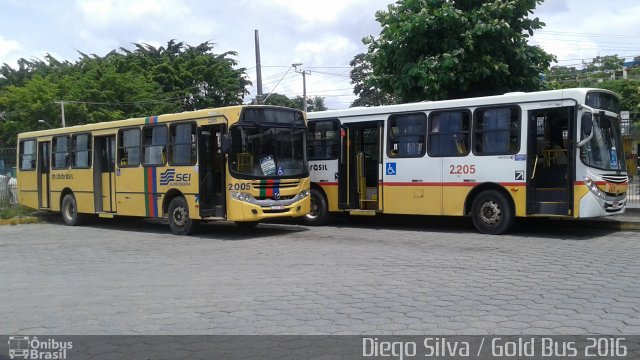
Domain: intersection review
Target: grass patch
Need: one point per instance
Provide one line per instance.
(16, 212)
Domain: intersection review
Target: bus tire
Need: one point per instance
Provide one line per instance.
(491, 213)
(179, 220)
(69, 211)
(319, 212)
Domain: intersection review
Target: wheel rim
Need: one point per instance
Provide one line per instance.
(180, 216)
(69, 210)
(490, 213)
(313, 211)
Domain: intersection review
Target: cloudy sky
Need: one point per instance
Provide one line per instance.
(323, 35)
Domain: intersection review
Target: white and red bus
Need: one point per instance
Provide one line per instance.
(548, 154)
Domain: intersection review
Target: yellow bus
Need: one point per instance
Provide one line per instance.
(239, 163)
(548, 154)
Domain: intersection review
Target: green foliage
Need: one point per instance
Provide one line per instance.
(368, 93)
(315, 103)
(122, 84)
(434, 49)
(14, 212)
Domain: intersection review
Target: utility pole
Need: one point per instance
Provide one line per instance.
(61, 102)
(304, 85)
(304, 90)
(258, 68)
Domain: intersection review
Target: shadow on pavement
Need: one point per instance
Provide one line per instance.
(546, 228)
(216, 230)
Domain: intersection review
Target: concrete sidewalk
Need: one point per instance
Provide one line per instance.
(629, 221)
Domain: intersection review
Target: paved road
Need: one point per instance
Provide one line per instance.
(376, 276)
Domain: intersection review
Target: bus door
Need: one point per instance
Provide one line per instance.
(359, 167)
(44, 160)
(550, 161)
(104, 177)
(212, 171)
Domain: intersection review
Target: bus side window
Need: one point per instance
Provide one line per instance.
(154, 144)
(407, 133)
(129, 147)
(28, 155)
(182, 144)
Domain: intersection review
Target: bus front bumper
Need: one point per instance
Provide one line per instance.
(242, 209)
(594, 206)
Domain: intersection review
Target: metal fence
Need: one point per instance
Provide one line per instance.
(8, 194)
(8, 161)
(8, 191)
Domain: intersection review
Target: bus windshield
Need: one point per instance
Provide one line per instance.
(604, 150)
(266, 151)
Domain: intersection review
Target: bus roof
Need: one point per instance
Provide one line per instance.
(230, 112)
(508, 98)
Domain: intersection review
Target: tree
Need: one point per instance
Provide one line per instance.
(368, 93)
(603, 72)
(279, 100)
(315, 103)
(434, 49)
(122, 84)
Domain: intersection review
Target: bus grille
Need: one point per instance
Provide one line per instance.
(270, 184)
(616, 179)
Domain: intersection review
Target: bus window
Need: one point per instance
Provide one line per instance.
(182, 150)
(324, 143)
(60, 152)
(28, 155)
(496, 131)
(407, 134)
(449, 133)
(81, 151)
(155, 145)
(129, 147)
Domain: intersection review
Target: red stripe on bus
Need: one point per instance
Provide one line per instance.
(447, 183)
(269, 192)
(150, 195)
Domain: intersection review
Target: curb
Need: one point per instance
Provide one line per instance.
(22, 220)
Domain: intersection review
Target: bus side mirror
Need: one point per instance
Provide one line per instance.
(225, 143)
(587, 124)
(587, 128)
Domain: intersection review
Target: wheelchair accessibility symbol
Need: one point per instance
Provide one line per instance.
(391, 168)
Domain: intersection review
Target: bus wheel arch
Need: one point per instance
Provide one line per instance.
(319, 212)
(491, 208)
(172, 193)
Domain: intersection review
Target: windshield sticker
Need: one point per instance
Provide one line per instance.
(613, 157)
(280, 170)
(268, 165)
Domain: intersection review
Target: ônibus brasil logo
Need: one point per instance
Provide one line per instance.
(23, 347)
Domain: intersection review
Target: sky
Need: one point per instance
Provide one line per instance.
(322, 35)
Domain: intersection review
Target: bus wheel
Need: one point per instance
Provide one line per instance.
(179, 220)
(69, 211)
(491, 213)
(319, 213)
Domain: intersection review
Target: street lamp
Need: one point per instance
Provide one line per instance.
(46, 123)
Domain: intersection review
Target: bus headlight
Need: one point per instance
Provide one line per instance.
(595, 190)
(304, 194)
(242, 197)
